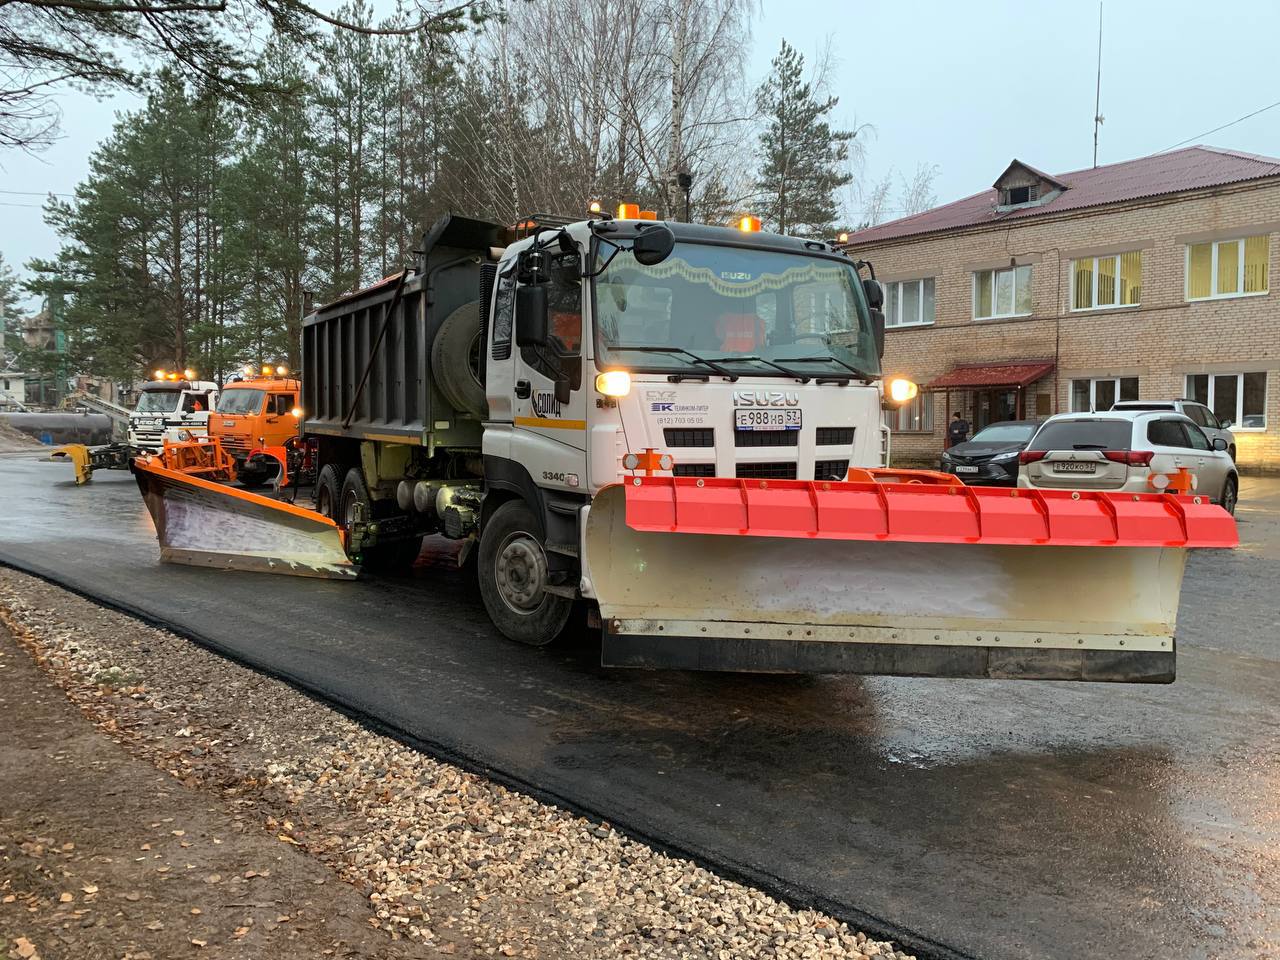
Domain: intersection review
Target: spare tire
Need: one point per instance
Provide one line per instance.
(457, 357)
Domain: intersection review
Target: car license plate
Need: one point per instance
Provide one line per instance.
(1075, 466)
(756, 418)
(964, 469)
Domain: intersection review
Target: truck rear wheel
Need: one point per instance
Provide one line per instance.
(456, 358)
(355, 503)
(513, 574)
(328, 489)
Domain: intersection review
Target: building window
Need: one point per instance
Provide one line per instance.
(1099, 393)
(1227, 268)
(1103, 282)
(908, 303)
(913, 417)
(1239, 400)
(1016, 196)
(1001, 293)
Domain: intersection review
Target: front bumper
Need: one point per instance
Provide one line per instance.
(995, 474)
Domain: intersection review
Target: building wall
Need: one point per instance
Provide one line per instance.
(14, 386)
(1159, 341)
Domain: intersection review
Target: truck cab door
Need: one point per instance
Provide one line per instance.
(549, 430)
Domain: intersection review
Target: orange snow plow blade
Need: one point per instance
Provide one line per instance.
(208, 524)
(923, 578)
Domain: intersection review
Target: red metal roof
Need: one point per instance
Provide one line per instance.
(992, 375)
(1191, 168)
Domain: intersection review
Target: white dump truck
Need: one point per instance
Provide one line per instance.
(677, 428)
(170, 403)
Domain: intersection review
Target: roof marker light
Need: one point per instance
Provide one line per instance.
(749, 224)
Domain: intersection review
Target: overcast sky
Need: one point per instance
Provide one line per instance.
(965, 86)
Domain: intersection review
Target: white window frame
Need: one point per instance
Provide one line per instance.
(993, 271)
(1239, 417)
(919, 321)
(1093, 390)
(1093, 294)
(1213, 272)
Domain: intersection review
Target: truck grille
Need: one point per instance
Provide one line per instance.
(830, 469)
(766, 438)
(834, 436)
(689, 437)
(767, 471)
(694, 470)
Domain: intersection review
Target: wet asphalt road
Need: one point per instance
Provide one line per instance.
(995, 819)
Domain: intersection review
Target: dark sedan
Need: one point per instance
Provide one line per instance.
(991, 457)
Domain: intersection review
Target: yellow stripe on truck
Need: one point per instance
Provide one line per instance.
(550, 424)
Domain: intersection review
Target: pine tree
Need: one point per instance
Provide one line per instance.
(10, 298)
(803, 158)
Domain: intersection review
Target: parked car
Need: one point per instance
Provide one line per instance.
(991, 456)
(1198, 412)
(1128, 450)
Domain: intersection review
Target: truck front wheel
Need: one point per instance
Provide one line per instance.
(513, 578)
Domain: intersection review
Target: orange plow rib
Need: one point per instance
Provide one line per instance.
(905, 578)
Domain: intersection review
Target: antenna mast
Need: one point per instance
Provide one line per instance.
(1097, 102)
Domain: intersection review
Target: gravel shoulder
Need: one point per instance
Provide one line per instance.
(334, 840)
(104, 855)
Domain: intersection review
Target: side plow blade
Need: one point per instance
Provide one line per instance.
(893, 578)
(209, 524)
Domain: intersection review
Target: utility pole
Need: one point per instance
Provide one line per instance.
(675, 146)
(1097, 98)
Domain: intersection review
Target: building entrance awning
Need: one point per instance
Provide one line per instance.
(992, 376)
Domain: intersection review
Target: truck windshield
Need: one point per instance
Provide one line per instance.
(157, 401)
(241, 401)
(738, 307)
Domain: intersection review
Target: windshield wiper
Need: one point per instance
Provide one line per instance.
(860, 374)
(1089, 446)
(644, 348)
(803, 378)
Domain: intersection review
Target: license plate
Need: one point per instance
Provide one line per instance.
(1075, 466)
(960, 469)
(753, 418)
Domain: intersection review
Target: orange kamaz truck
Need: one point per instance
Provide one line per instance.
(257, 415)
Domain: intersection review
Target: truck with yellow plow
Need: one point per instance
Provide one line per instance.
(677, 427)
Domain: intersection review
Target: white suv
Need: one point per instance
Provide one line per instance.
(1127, 450)
(1201, 415)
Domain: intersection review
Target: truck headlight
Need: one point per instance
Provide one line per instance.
(900, 389)
(614, 383)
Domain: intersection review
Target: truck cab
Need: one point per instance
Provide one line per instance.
(170, 404)
(254, 414)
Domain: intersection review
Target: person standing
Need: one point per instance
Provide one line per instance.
(957, 430)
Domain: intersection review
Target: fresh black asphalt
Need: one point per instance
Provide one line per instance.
(994, 819)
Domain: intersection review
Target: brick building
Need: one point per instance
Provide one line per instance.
(1154, 278)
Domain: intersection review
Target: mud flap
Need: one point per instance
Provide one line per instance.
(203, 523)
(887, 579)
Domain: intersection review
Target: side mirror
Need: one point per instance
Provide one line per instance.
(563, 390)
(653, 245)
(877, 328)
(1219, 443)
(874, 292)
(531, 315)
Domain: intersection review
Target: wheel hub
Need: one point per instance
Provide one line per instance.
(521, 573)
